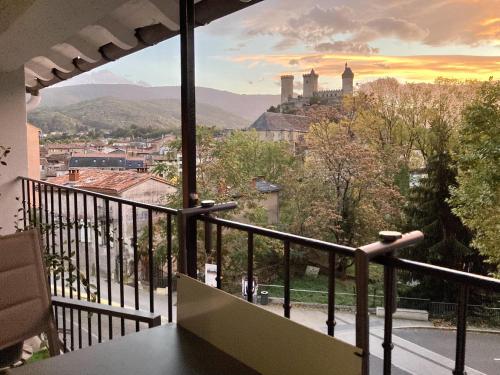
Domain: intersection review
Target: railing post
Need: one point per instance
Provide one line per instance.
(362, 318)
(463, 297)
(389, 309)
(332, 264)
(286, 300)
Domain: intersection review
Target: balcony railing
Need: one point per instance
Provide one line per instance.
(134, 232)
(106, 245)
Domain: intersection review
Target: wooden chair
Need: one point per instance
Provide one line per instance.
(25, 305)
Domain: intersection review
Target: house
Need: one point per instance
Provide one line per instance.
(130, 185)
(272, 126)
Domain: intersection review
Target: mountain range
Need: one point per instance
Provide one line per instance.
(107, 113)
(104, 100)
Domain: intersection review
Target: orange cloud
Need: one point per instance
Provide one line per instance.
(424, 68)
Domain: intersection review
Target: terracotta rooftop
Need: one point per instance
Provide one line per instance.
(280, 121)
(105, 181)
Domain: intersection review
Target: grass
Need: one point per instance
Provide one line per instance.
(38, 356)
(315, 290)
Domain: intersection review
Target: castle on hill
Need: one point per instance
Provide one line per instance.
(311, 94)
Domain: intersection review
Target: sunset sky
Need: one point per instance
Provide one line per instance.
(411, 40)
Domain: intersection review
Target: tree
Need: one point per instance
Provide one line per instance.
(476, 199)
(446, 241)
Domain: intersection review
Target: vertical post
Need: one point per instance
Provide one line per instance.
(250, 268)
(24, 203)
(188, 130)
(389, 309)
(362, 318)
(136, 262)
(120, 264)
(332, 265)
(286, 299)
(108, 240)
(463, 297)
(219, 256)
(151, 261)
(169, 266)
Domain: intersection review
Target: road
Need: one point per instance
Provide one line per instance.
(482, 349)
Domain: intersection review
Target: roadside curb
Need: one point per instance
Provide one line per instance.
(476, 330)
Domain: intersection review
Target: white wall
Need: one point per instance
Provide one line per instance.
(12, 133)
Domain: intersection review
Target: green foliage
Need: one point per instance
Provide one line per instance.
(446, 241)
(476, 199)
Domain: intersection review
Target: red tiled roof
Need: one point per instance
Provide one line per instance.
(105, 181)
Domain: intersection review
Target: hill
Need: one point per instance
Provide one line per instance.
(113, 113)
(244, 106)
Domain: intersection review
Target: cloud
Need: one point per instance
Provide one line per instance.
(294, 62)
(406, 68)
(341, 46)
(430, 22)
(393, 27)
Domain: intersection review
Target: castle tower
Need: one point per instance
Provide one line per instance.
(310, 84)
(347, 80)
(286, 88)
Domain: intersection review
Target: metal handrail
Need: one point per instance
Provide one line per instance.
(112, 198)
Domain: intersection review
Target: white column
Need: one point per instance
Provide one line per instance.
(12, 134)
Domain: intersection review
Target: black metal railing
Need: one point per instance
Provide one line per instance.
(59, 221)
(100, 248)
(382, 253)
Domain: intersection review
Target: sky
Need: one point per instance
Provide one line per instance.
(411, 40)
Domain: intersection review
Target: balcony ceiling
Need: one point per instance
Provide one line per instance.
(58, 39)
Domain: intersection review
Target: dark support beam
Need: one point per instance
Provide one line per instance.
(188, 130)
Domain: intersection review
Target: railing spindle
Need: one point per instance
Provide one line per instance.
(250, 268)
(70, 270)
(286, 304)
(24, 202)
(40, 211)
(68, 241)
(120, 261)
(151, 261)
(53, 237)
(33, 200)
(87, 265)
(332, 265)
(28, 193)
(169, 267)
(108, 264)
(47, 226)
(219, 257)
(61, 254)
(463, 297)
(97, 266)
(77, 252)
(136, 262)
(389, 309)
